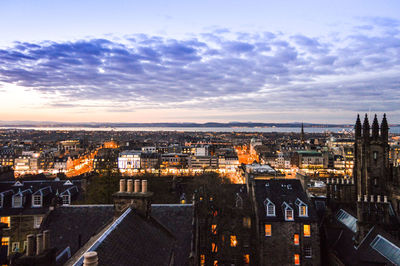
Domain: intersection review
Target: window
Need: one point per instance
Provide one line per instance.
(239, 201)
(37, 201)
(269, 207)
(214, 248)
(303, 210)
(387, 249)
(289, 215)
(214, 229)
(246, 222)
(202, 260)
(6, 220)
(233, 241)
(25, 245)
(375, 155)
(296, 259)
(17, 201)
(268, 231)
(37, 221)
(246, 259)
(5, 242)
(215, 263)
(296, 239)
(307, 230)
(15, 247)
(308, 252)
(66, 199)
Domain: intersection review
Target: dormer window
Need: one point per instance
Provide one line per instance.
(17, 201)
(289, 215)
(66, 199)
(269, 207)
(303, 208)
(37, 201)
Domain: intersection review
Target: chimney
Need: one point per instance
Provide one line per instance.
(90, 258)
(39, 244)
(144, 186)
(46, 239)
(30, 249)
(130, 186)
(137, 185)
(122, 185)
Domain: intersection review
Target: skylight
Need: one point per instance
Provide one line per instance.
(347, 219)
(386, 249)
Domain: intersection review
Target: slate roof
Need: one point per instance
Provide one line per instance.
(177, 218)
(135, 240)
(72, 226)
(279, 191)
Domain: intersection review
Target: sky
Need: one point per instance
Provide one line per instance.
(199, 61)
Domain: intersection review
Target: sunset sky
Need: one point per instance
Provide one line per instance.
(199, 61)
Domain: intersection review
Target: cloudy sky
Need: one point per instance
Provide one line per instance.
(209, 60)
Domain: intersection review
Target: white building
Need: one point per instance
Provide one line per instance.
(149, 149)
(129, 160)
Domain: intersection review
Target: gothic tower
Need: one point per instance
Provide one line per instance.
(371, 173)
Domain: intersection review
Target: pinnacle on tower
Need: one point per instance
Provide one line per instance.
(358, 127)
(375, 128)
(384, 129)
(366, 127)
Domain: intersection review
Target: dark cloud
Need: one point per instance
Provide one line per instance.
(219, 69)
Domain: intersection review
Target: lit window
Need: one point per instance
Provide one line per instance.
(296, 259)
(289, 214)
(214, 229)
(6, 220)
(296, 239)
(233, 241)
(308, 252)
(303, 210)
(5, 242)
(37, 221)
(37, 201)
(247, 222)
(214, 213)
(202, 260)
(214, 248)
(268, 231)
(246, 259)
(307, 230)
(215, 263)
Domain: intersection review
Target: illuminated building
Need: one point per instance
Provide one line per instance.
(129, 160)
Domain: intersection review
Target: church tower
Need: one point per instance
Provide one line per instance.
(371, 173)
(302, 134)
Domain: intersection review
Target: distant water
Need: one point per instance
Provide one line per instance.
(395, 130)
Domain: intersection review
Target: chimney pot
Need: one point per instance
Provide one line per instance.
(372, 198)
(46, 239)
(30, 249)
(352, 181)
(90, 258)
(359, 198)
(378, 198)
(144, 186)
(39, 244)
(342, 181)
(327, 181)
(338, 180)
(122, 185)
(130, 186)
(366, 198)
(137, 185)
(385, 199)
(348, 181)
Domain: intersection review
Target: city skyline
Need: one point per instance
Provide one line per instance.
(181, 62)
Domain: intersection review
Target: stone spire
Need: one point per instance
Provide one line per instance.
(357, 127)
(384, 129)
(375, 128)
(302, 133)
(366, 128)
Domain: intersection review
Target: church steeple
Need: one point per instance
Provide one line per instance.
(366, 128)
(375, 128)
(302, 133)
(384, 129)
